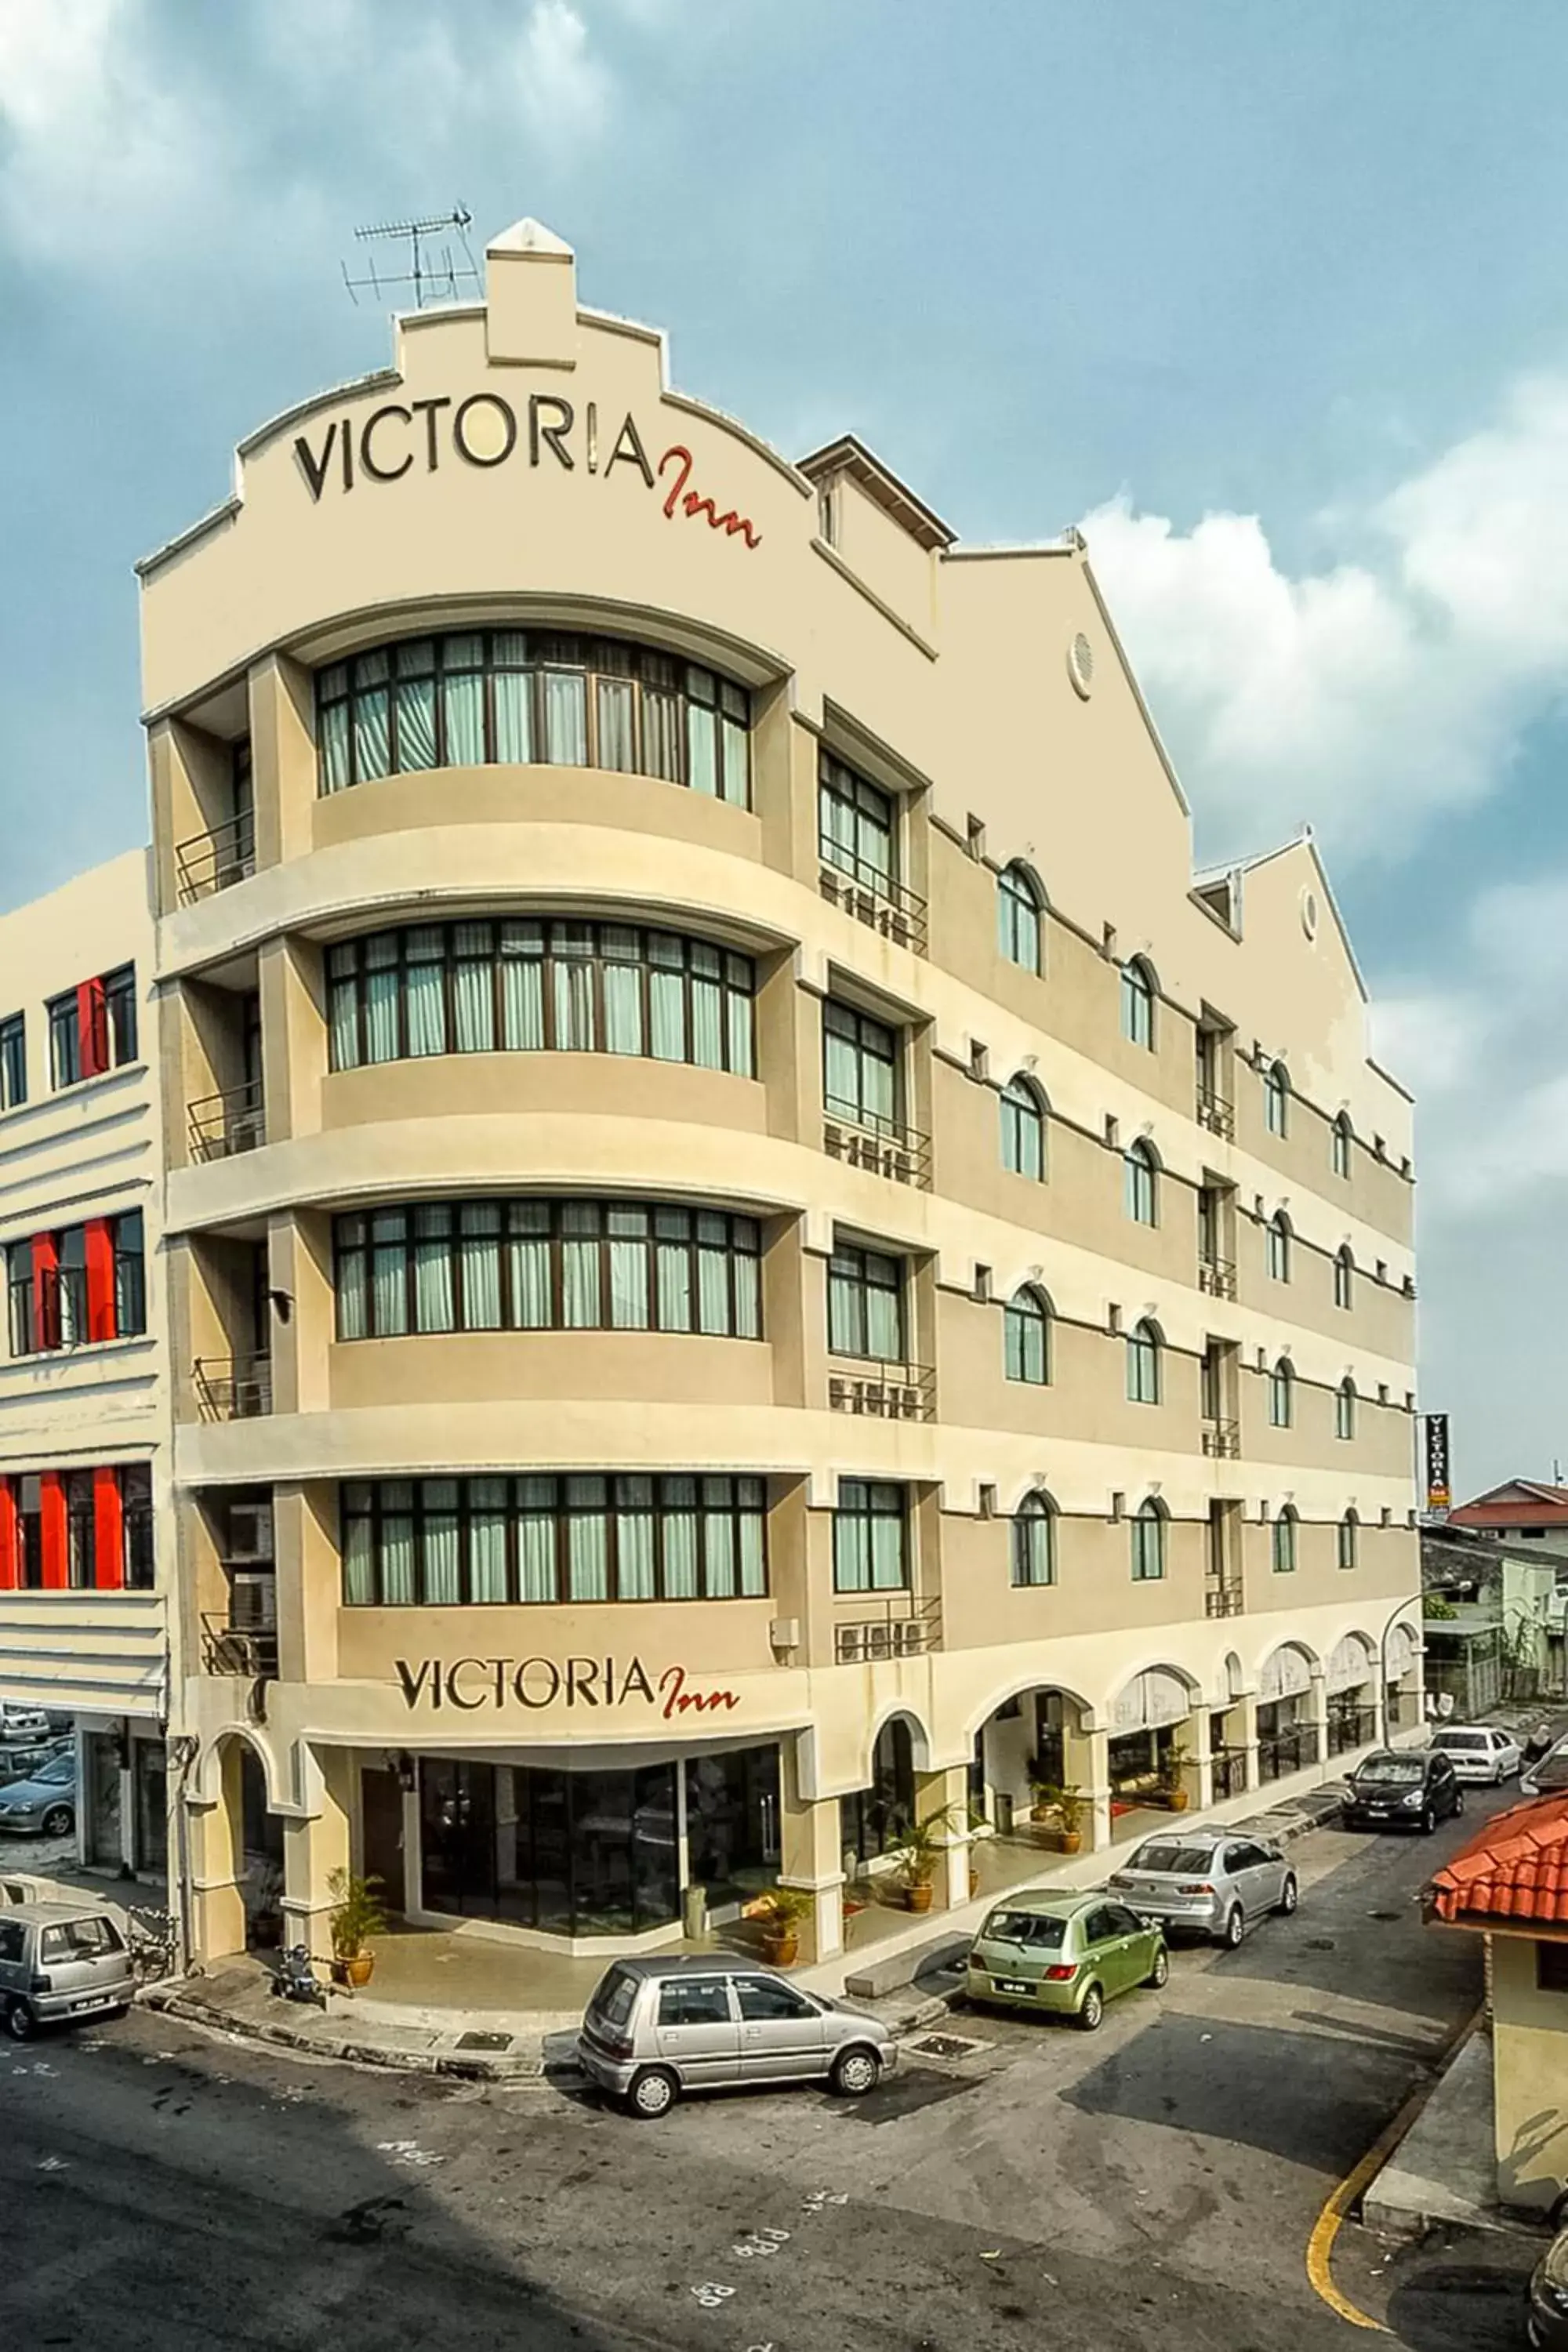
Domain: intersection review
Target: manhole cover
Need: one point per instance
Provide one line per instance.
(1319, 1943)
(948, 2045)
(484, 2041)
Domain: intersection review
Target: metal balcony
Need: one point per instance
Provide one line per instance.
(904, 1630)
(221, 1125)
(872, 897)
(1223, 1599)
(1221, 1440)
(215, 860)
(888, 1392)
(1215, 1113)
(883, 1145)
(233, 1387)
(1216, 1276)
(249, 1653)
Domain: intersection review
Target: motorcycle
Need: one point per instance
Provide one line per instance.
(1537, 1742)
(296, 1979)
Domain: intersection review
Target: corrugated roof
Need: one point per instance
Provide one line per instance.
(1515, 1868)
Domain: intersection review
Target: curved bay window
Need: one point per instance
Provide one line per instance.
(527, 986)
(522, 696)
(547, 1266)
(460, 1543)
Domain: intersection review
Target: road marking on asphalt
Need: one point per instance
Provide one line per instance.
(1326, 2229)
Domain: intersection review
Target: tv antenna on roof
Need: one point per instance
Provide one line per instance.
(436, 273)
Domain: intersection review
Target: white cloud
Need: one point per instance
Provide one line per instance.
(1374, 695)
(567, 89)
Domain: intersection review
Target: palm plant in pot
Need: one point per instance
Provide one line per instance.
(1066, 1813)
(356, 1916)
(1042, 1790)
(778, 1914)
(1172, 1788)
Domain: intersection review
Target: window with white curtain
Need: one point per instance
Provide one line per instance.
(866, 1304)
(1281, 1396)
(870, 1537)
(1284, 1547)
(1143, 1364)
(516, 696)
(530, 986)
(1026, 1338)
(1023, 1129)
(1140, 1184)
(564, 1265)
(1148, 1543)
(854, 824)
(533, 1540)
(1138, 992)
(860, 1069)
(1018, 917)
(1034, 1542)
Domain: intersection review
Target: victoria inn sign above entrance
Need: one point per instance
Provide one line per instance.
(485, 430)
(534, 1683)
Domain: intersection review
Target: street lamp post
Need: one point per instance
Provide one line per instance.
(1394, 1614)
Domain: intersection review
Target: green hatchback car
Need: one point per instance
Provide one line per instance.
(1065, 1953)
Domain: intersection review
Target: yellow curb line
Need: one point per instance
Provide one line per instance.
(1326, 2229)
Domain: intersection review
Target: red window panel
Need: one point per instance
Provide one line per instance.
(10, 1565)
(46, 1292)
(52, 1518)
(100, 1251)
(92, 1028)
(108, 1531)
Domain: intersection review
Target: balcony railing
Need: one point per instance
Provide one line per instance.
(873, 898)
(890, 1392)
(884, 1145)
(1223, 1599)
(1289, 1750)
(1230, 1772)
(1351, 1727)
(1215, 1113)
(233, 1387)
(1222, 1439)
(213, 861)
(904, 1630)
(221, 1125)
(247, 1652)
(1216, 1276)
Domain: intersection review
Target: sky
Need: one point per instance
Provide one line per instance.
(1270, 295)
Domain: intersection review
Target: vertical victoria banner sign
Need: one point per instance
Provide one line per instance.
(1439, 1497)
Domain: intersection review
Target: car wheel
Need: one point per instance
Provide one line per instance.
(59, 1823)
(1160, 1974)
(1428, 1821)
(1235, 1928)
(1091, 2010)
(854, 2072)
(1289, 1893)
(20, 2022)
(652, 2093)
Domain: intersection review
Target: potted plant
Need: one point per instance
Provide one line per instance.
(1172, 1788)
(918, 1853)
(1042, 1788)
(356, 1916)
(778, 1914)
(1066, 1807)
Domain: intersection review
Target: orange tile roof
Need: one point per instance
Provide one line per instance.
(1515, 1868)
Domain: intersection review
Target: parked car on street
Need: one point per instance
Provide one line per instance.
(658, 2027)
(45, 1803)
(1548, 1772)
(1214, 1881)
(1547, 2324)
(20, 1759)
(1479, 1751)
(1397, 1789)
(60, 1962)
(22, 1722)
(1065, 1953)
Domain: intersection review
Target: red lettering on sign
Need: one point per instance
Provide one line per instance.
(691, 504)
(680, 1701)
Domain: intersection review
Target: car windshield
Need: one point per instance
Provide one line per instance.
(1391, 1772)
(61, 1770)
(1037, 1927)
(1173, 1861)
(1458, 1741)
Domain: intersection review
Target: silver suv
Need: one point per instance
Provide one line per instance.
(60, 1962)
(658, 2027)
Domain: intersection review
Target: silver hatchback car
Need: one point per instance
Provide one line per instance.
(60, 1962)
(656, 2028)
(1214, 1881)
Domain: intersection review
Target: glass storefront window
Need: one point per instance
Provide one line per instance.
(575, 1853)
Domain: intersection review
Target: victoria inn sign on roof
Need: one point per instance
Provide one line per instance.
(485, 430)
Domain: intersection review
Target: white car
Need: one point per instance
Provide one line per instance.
(1478, 1752)
(22, 1722)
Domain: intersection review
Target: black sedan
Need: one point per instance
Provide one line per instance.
(1548, 2322)
(1403, 1789)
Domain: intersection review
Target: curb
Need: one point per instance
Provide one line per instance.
(171, 2001)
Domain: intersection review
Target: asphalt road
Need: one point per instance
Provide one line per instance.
(1153, 2185)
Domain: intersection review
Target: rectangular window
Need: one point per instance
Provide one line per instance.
(120, 1002)
(79, 1530)
(129, 1275)
(136, 1521)
(92, 1028)
(13, 1061)
(865, 1304)
(65, 1042)
(860, 1068)
(472, 1542)
(870, 1537)
(77, 1286)
(855, 825)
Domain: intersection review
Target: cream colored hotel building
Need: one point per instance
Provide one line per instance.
(751, 1252)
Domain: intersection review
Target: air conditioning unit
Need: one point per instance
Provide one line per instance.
(250, 1531)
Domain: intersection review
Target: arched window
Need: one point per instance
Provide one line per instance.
(1344, 1409)
(1281, 1395)
(1276, 1247)
(1143, 1364)
(1024, 1129)
(1018, 917)
(1035, 1542)
(1141, 1184)
(1344, 1277)
(1340, 1145)
(1149, 1543)
(1276, 1099)
(1027, 1338)
(1349, 1539)
(1285, 1543)
(1138, 1003)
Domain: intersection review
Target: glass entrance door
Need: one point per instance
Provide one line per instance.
(732, 1823)
(578, 1853)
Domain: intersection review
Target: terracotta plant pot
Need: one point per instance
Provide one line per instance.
(781, 1951)
(919, 1896)
(974, 1881)
(1068, 1841)
(357, 1971)
(1176, 1800)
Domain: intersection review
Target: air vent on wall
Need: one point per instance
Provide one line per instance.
(1080, 664)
